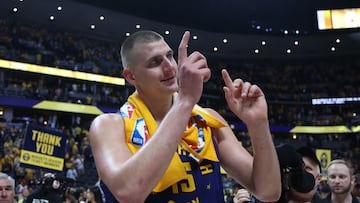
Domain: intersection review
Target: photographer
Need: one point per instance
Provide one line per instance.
(52, 189)
(298, 181)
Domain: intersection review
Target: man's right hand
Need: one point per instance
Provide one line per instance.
(193, 71)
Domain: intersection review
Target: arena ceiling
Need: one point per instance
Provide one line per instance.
(246, 26)
(229, 16)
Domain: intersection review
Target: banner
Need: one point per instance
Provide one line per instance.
(43, 149)
(324, 156)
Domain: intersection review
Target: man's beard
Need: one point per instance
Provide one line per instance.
(343, 191)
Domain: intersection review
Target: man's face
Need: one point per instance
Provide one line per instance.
(6, 191)
(155, 70)
(339, 179)
(314, 169)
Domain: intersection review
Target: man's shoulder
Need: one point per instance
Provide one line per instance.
(107, 119)
(109, 116)
(212, 113)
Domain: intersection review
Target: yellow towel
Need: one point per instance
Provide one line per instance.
(197, 138)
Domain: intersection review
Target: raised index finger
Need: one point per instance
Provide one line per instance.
(227, 79)
(182, 51)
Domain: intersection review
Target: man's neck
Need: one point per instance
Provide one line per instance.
(157, 106)
(341, 198)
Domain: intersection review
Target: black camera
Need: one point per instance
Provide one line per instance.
(293, 173)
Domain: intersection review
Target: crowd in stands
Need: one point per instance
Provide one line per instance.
(41, 87)
(288, 86)
(79, 164)
(283, 83)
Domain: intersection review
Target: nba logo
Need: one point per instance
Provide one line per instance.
(140, 134)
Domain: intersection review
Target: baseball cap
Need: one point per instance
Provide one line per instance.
(291, 163)
(308, 152)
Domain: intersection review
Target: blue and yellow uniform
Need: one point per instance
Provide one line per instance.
(193, 174)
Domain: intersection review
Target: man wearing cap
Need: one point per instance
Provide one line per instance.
(313, 166)
(300, 175)
(298, 184)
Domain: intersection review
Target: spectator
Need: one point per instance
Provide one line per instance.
(298, 181)
(312, 166)
(341, 181)
(94, 195)
(72, 172)
(24, 194)
(7, 188)
(79, 164)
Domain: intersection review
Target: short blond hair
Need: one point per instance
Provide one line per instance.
(144, 36)
(341, 161)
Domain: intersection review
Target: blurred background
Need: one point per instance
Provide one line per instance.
(60, 67)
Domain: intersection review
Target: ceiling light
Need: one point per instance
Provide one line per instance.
(286, 32)
(52, 17)
(127, 34)
(215, 49)
(195, 37)
(333, 49)
(15, 9)
(296, 42)
(138, 26)
(256, 51)
(288, 51)
(225, 40)
(167, 32)
(263, 43)
(338, 41)
(92, 26)
(102, 18)
(59, 8)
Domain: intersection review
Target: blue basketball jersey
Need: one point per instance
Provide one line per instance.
(203, 184)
